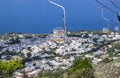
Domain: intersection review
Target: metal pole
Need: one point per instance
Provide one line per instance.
(64, 12)
(106, 19)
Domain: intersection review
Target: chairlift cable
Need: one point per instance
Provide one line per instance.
(114, 4)
(106, 7)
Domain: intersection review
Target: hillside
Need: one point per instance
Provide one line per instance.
(108, 70)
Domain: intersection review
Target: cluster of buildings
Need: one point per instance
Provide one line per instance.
(55, 52)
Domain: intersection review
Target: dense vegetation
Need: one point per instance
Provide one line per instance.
(59, 73)
(81, 68)
(7, 68)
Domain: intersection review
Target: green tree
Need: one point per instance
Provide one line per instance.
(117, 46)
(7, 68)
(58, 73)
(106, 60)
(81, 68)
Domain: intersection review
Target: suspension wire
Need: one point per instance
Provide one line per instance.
(106, 6)
(114, 4)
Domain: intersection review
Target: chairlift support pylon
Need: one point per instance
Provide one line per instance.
(64, 14)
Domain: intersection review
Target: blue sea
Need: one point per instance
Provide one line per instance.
(39, 16)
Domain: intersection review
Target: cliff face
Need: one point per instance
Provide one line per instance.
(108, 70)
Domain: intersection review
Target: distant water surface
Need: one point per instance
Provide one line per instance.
(39, 16)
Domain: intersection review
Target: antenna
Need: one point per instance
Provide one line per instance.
(64, 13)
(104, 18)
